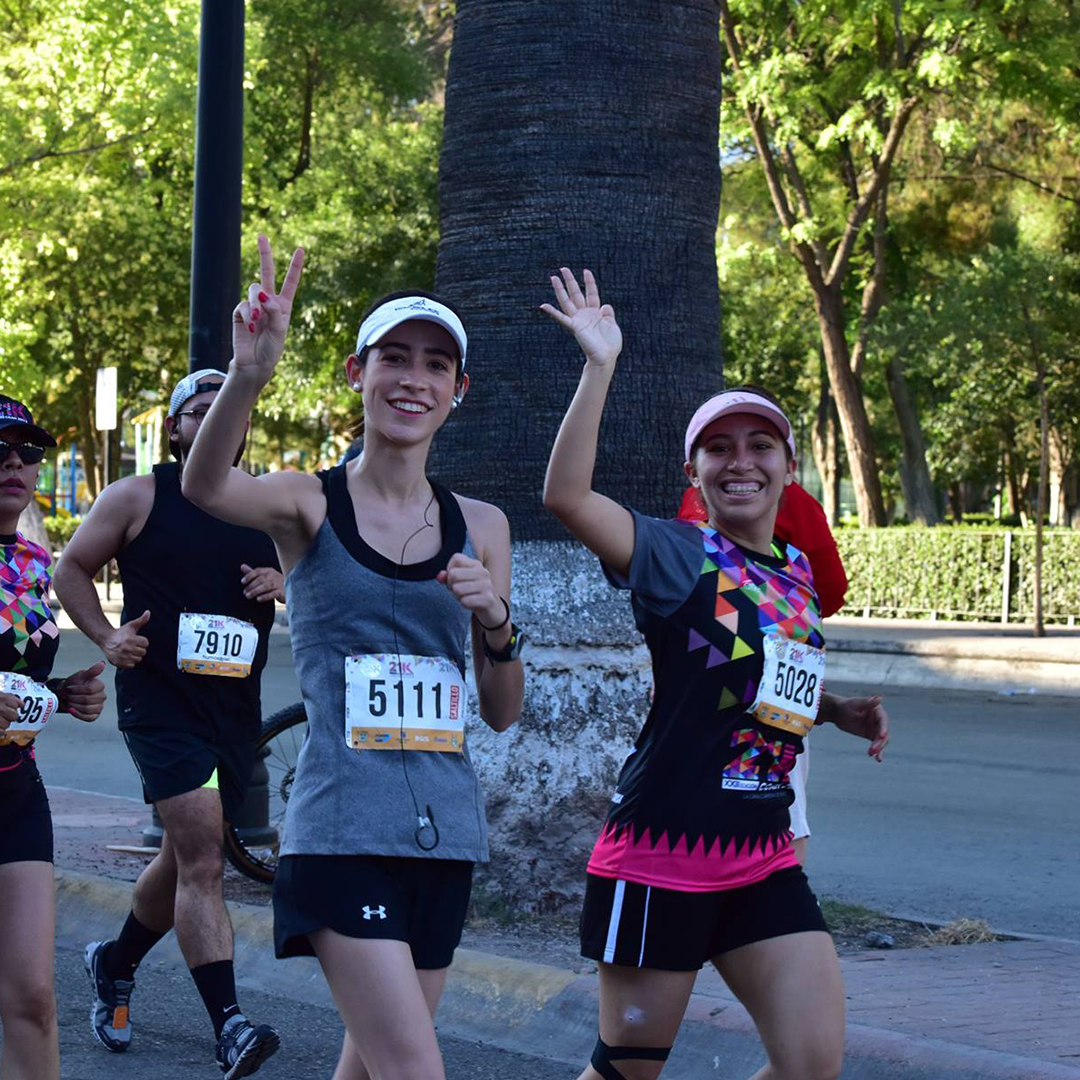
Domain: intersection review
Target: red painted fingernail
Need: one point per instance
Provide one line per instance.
(263, 298)
(255, 313)
(251, 327)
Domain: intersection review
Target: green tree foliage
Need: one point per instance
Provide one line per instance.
(837, 102)
(96, 170)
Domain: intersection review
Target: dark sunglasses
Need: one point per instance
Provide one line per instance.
(28, 453)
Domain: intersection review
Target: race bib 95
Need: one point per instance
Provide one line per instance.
(38, 704)
(215, 645)
(404, 703)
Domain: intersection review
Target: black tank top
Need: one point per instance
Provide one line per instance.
(186, 560)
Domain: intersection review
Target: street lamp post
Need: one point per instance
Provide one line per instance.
(219, 159)
(215, 258)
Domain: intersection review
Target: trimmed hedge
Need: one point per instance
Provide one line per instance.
(959, 573)
(61, 527)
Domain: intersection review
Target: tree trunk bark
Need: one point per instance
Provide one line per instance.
(580, 134)
(854, 422)
(88, 446)
(826, 448)
(914, 475)
(1012, 480)
(1040, 498)
(1061, 478)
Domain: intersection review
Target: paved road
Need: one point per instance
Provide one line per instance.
(974, 812)
(173, 1040)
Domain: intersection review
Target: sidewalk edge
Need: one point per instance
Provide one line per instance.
(544, 1010)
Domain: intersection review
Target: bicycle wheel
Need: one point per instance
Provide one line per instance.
(277, 748)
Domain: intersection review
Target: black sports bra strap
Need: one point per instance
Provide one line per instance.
(342, 518)
(453, 518)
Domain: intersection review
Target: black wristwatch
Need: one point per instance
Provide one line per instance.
(512, 650)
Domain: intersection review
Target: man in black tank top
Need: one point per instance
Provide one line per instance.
(198, 607)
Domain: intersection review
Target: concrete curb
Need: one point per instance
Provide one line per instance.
(546, 1011)
(890, 667)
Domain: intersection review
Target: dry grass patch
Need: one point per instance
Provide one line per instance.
(963, 932)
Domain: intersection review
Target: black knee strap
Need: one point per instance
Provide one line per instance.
(603, 1055)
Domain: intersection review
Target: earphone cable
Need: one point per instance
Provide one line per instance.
(424, 821)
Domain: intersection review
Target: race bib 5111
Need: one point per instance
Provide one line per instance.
(791, 683)
(404, 703)
(215, 645)
(38, 704)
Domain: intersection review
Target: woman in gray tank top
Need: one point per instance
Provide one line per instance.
(393, 584)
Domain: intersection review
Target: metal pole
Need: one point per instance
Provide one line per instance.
(219, 158)
(104, 485)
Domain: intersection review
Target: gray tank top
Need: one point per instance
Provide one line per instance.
(341, 595)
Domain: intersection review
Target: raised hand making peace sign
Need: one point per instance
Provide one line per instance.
(261, 322)
(592, 324)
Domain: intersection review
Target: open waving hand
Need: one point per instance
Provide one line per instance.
(592, 323)
(261, 322)
(600, 523)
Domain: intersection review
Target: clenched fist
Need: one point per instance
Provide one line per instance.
(470, 583)
(82, 695)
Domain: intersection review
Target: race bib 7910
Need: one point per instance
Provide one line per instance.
(38, 704)
(215, 645)
(792, 680)
(404, 703)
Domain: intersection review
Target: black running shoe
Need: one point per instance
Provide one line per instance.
(243, 1047)
(109, 1014)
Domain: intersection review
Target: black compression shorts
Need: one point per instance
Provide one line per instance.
(635, 925)
(172, 762)
(27, 834)
(422, 902)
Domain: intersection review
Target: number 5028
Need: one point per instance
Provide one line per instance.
(795, 684)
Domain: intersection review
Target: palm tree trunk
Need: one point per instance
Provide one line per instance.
(580, 134)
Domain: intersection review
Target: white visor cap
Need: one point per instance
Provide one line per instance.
(189, 386)
(737, 401)
(394, 312)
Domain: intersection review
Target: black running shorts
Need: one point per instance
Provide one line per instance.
(172, 762)
(26, 834)
(422, 902)
(643, 926)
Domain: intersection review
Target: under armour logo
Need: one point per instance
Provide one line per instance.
(370, 912)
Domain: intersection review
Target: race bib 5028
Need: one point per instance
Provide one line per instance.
(38, 704)
(215, 645)
(404, 702)
(791, 684)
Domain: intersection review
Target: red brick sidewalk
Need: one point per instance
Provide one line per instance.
(1013, 997)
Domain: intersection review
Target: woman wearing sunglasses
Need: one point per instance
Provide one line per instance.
(28, 698)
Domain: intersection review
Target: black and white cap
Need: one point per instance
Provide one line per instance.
(193, 384)
(394, 312)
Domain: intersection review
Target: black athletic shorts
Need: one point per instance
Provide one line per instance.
(422, 902)
(26, 833)
(172, 762)
(643, 926)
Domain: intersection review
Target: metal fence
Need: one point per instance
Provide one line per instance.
(960, 573)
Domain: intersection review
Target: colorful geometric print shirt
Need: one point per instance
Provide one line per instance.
(28, 633)
(702, 800)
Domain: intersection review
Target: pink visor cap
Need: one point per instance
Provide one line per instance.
(737, 401)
